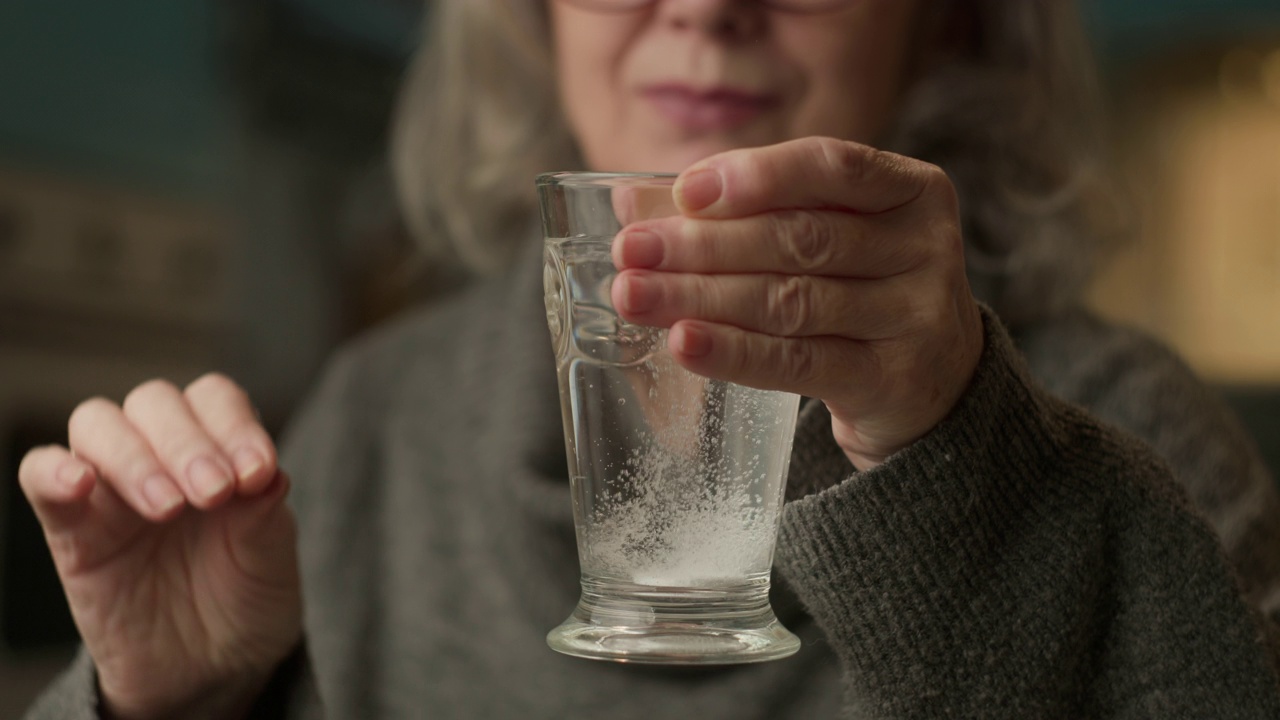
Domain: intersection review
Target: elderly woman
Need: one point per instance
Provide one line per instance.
(997, 506)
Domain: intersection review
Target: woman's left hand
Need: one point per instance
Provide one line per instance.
(820, 267)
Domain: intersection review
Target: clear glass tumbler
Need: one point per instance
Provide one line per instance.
(677, 480)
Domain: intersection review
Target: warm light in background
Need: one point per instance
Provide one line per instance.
(1205, 162)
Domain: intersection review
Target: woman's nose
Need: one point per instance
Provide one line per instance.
(724, 19)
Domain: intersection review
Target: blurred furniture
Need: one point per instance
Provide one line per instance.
(181, 188)
(100, 288)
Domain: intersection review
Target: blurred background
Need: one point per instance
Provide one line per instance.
(196, 184)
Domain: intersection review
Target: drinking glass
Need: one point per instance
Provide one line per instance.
(677, 480)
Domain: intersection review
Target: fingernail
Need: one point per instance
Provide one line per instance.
(641, 249)
(207, 479)
(639, 294)
(698, 190)
(691, 340)
(248, 462)
(160, 494)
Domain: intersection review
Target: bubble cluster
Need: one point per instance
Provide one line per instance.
(686, 509)
(677, 478)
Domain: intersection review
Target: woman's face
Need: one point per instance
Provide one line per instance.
(660, 87)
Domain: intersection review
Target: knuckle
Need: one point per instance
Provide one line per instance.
(146, 394)
(953, 241)
(214, 384)
(757, 359)
(27, 469)
(919, 312)
(701, 297)
(35, 466)
(799, 362)
(935, 177)
(884, 377)
(697, 240)
(806, 240)
(90, 414)
(937, 184)
(930, 318)
(846, 160)
(743, 164)
(832, 154)
(790, 305)
(945, 250)
(744, 359)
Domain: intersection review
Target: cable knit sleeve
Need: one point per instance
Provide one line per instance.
(1133, 382)
(1022, 560)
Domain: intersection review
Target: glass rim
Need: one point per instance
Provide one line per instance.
(591, 178)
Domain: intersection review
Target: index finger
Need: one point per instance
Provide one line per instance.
(809, 173)
(226, 413)
(57, 484)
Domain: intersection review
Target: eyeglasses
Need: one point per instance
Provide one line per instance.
(791, 6)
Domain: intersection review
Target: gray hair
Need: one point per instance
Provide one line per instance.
(1009, 109)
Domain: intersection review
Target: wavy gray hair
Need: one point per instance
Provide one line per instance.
(1007, 104)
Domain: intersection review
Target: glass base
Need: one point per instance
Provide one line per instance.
(673, 626)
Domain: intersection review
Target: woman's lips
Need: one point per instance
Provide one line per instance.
(707, 110)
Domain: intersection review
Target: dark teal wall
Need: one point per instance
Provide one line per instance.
(126, 88)
(387, 24)
(134, 90)
(1125, 30)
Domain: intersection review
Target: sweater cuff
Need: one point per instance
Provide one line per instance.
(1000, 405)
(290, 693)
(73, 695)
(869, 542)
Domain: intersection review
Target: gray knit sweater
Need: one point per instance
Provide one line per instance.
(1023, 560)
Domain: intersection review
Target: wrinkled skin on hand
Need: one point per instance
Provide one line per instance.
(167, 523)
(820, 267)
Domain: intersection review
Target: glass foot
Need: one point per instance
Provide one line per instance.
(673, 627)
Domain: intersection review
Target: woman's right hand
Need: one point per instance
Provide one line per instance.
(167, 522)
